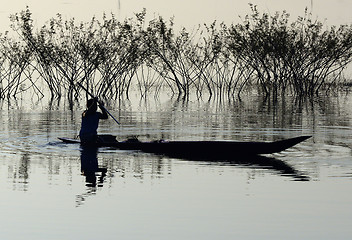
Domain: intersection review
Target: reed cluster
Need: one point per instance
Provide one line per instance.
(108, 57)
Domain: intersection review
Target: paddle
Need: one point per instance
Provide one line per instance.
(90, 94)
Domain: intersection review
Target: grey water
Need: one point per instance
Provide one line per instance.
(45, 195)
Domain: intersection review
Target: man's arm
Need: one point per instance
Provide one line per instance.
(104, 114)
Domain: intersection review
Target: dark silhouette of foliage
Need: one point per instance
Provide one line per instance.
(110, 57)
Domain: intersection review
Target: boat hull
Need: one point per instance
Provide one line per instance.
(201, 149)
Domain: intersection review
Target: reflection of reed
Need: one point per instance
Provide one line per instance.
(137, 165)
(20, 173)
(255, 119)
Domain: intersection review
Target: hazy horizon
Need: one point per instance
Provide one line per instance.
(186, 13)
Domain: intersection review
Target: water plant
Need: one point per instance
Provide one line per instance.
(109, 57)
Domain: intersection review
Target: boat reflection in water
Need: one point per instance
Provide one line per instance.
(256, 161)
(90, 168)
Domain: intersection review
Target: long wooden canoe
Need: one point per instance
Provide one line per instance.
(199, 149)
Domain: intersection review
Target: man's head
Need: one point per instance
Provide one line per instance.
(92, 105)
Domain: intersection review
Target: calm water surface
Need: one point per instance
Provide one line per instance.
(302, 193)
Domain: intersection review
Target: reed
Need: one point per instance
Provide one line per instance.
(300, 56)
(110, 57)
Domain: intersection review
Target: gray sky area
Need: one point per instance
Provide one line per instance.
(188, 13)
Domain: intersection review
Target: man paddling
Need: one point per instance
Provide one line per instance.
(90, 121)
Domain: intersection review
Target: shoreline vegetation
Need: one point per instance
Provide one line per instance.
(277, 57)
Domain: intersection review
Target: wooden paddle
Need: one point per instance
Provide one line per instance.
(90, 94)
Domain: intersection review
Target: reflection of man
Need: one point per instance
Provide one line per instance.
(89, 165)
